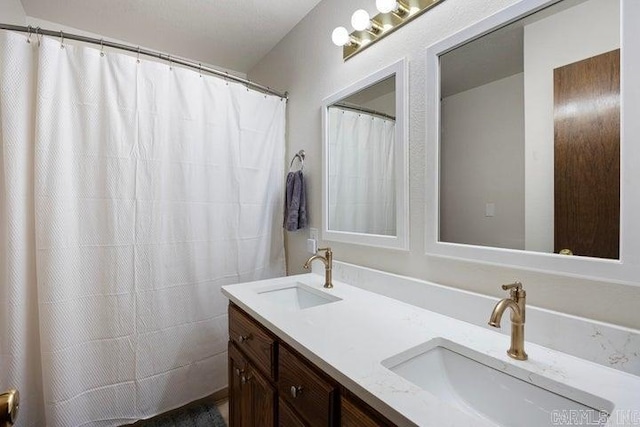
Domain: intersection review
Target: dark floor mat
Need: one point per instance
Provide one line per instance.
(200, 415)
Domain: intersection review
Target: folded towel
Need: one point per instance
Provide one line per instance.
(295, 203)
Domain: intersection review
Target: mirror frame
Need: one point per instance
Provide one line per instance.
(401, 239)
(625, 270)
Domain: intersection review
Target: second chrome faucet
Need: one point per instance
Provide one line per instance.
(517, 303)
(327, 259)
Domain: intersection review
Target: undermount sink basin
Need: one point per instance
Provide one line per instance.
(297, 296)
(450, 372)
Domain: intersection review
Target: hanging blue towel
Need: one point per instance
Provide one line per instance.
(295, 203)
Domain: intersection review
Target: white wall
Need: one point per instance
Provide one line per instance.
(311, 68)
(583, 31)
(482, 161)
(12, 12)
(383, 104)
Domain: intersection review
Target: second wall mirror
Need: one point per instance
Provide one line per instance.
(528, 140)
(365, 161)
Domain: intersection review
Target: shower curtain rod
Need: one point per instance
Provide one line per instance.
(359, 109)
(139, 50)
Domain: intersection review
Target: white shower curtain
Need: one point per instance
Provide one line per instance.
(362, 195)
(129, 193)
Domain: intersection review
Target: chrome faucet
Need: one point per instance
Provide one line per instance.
(327, 259)
(516, 302)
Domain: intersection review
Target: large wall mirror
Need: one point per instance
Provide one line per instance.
(365, 161)
(528, 140)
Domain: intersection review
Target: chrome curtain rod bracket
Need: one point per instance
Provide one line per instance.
(135, 49)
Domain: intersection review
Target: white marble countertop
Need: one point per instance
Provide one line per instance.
(350, 338)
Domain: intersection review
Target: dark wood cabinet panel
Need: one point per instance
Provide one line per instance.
(357, 414)
(308, 393)
(252, 398)
(262, 398)
(287, 416)
(255, 342)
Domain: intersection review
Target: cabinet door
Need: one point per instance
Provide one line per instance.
(237, 401)
(355, 414)
(287, 416)
(262, 397)
(251, 397)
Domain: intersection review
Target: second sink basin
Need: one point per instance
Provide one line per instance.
(450, 372)
(297, 296)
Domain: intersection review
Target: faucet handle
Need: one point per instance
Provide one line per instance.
(516, 290)
(515, 285)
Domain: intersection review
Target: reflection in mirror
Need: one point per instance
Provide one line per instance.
(361, 161)
(530, 134)
(365, 176)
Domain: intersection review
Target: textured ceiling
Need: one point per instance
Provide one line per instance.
(228, 33)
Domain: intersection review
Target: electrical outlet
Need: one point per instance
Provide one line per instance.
(313, 233)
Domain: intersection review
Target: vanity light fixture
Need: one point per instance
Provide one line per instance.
(392, 15)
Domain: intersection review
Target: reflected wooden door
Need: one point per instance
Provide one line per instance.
(587, 156)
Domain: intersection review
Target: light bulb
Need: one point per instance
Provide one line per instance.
(340, 36)
(386, 6)
(360, 20)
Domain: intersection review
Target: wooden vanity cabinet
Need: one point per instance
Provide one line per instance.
(271, 384)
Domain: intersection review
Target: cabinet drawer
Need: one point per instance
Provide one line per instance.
(257, 344)
(308, 393)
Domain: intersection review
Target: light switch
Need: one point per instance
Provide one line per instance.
(490, 209)
(312, 246)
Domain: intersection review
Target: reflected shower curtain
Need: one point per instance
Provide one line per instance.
(129, 193)
(361, 173)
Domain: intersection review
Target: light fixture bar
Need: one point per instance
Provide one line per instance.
(384, 24)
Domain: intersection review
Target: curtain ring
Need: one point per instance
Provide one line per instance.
(170, 63)
(38, 36)
(61, 40)
(200, 68)
(226, 74)
(29, 29)
(101, 47)
(138, 56)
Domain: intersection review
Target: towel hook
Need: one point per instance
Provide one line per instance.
(300, 155)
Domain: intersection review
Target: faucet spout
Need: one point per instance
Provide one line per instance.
(517, 303)
(498, 311)
(307, 264)
(327, 260)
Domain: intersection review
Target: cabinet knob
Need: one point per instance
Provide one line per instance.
(296, 391)
(245, 379)
(244, 338)
(239, 371)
